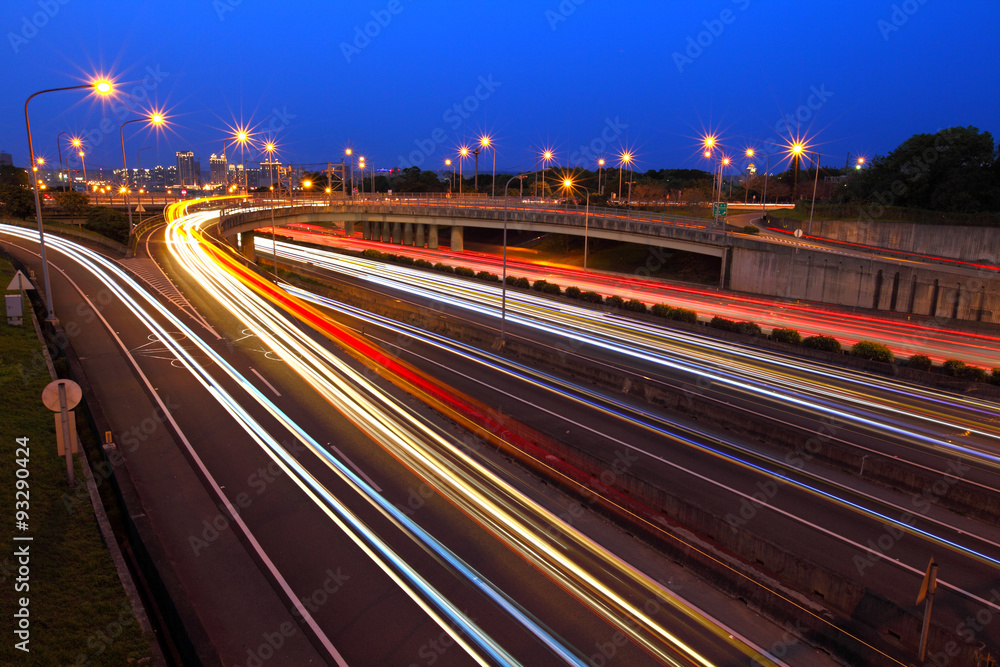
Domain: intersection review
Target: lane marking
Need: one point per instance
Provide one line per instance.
(356, 468)
(269, 385)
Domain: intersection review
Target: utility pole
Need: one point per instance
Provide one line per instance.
(926, 596)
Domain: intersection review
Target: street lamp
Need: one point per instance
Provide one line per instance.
(59, 148)
(242, 136)
(269, 148)
(486, 142)
(503, 278)
(155, 118)
(568, 185)
(797, 150)
(547, 157)
(600, 168)
(100, 87)
(138, 161)
(447, 163)
(77, 144)
(625, 158)
(463, 152)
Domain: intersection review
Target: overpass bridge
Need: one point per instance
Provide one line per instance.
(750, 264)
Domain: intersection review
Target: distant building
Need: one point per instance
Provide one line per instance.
(186, 174)
(5, 159)
(171, 177)
(218, 174)
(197, 173)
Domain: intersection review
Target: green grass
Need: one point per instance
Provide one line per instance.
(77, 604)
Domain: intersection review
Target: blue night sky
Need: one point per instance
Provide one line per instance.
(584, 77)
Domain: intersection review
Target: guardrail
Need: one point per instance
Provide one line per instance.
(525, 211)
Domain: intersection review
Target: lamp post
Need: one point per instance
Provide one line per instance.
(547, 157)
(463, 153)
(100, 87)
(486, 143)
(156, 119)
(138, 161)
(600, 168)
(242, 136)
(269, 148)
(503, 278)
(349, 152)
(59, 148)
(447, 163)
(568, 184)
(624, 159)
(812, 208)
(77, 144)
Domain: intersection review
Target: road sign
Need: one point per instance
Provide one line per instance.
(50, 395)
(20, 282)
(139, 208)
(15, 309)
(719, 209)
(798, 233)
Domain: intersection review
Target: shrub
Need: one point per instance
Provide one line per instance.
(995, 376)
(750, 229)
(684, 315)
(405, 260)
(790, 336)
(464, 271)
(552, 288)
(953, 367)
(975, 373)
(722, 323)
(424, 264)
(573, 292)
(615, 301)
(371, 253)
(390, 257)
(635, 306)
(539, 285)
(108, 222)
(441, 266)
(591, 297)
(748, 328)
(661, 310)
(919, 361)
(826, 343)
(488, 277)
(522, 282)
(511, 280)
(868, 349)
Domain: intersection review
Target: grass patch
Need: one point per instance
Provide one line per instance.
(77, 605)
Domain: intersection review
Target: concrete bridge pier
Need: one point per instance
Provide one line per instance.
(457, 238)
(366, 230)
(349, 229)
(408, 233)
(432, 237)
(247, 246)
(386, 232)
(420, 236)
(397, 236)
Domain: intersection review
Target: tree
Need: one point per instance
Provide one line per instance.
(108, 222)
(75, 204)
(16, 201)
(952, 170)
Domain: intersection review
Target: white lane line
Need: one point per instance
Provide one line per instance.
(269, 385)
(356, 468)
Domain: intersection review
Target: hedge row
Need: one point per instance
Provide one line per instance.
(864, 349)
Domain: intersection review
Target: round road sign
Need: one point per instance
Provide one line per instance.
(50, 395)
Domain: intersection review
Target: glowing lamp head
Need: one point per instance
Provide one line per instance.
(861, 160)
(81, 153)
(485, 142)
(567, 183)
(328, 191)
(307, 184)
(241, 136)
(600, 163)
(707, 154)
(76, 142)
(547, 155)
(269, 147)
(447, 162)
(348, 152)
(709, 142)
(103, 87)
(464, 151)
(798, 149)
(750, 152)
(156, 119)
(725, 161)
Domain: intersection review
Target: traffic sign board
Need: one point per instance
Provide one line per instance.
(20, 282)
(719, 209)
(139, 208)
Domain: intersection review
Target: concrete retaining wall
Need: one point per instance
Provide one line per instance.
(972, 295)
(971, 244)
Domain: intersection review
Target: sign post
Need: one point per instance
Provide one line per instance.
(61, 396)
(926, 596)
(15, 302)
